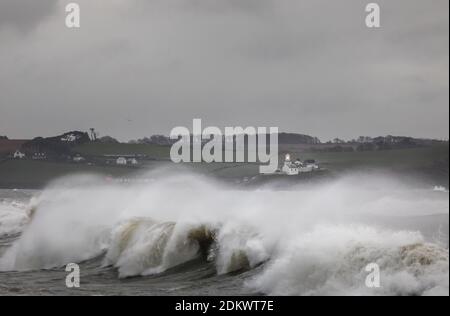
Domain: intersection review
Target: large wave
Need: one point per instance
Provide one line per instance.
(13, 217)
(331, 260)
(310, 241)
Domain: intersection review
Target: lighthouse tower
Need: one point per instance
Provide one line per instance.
(289, 168)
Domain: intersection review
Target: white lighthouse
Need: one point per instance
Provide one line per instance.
(289, 168)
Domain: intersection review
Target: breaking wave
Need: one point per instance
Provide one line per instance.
(141, 246)
(332, 261)
(13, 217)
(314, 241)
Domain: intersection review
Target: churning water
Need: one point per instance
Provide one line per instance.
(182, 234)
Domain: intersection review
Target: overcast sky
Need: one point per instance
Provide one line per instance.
(140, 67)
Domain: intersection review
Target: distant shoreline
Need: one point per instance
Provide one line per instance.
(16, 174)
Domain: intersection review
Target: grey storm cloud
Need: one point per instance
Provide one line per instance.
(140, 67)
(24, 14)
(221, 6)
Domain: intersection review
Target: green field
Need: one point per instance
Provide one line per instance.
(429, 163)
(34, 174)
(396, 159)
(100, 149)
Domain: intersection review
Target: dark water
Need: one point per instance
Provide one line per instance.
(193, 278)
(196, 277)
(301, 271)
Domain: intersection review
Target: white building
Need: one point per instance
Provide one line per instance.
(39, 156)
(19, 155)
(303, 166)
(121, 161)
(78, 159)
(306, 168)
(289, 168)
(311, 164)
(69, 138)
(133, 161)
(294, 168)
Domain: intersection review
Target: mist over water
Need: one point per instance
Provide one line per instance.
(308, 240)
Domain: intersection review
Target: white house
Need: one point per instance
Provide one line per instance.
(121, 161)
(296, 167)
(303, 166)
(312, 164)
(133, 161)
(19, 155)
(78, 159)
(69, 138)
(39, 156)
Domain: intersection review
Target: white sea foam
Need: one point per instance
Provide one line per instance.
(13, 217)
(311, 241)
(331, 260)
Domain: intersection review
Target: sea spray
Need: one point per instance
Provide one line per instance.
(13, 217)
(330, 260)
(314, 240)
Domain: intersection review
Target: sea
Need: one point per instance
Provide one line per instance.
(185, 234)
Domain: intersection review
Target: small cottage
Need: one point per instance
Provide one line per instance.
(133, 161)
(78, 159)
(19, 155)
(121, 161)
(39, 156)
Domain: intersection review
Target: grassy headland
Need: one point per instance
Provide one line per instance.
(430, 163)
